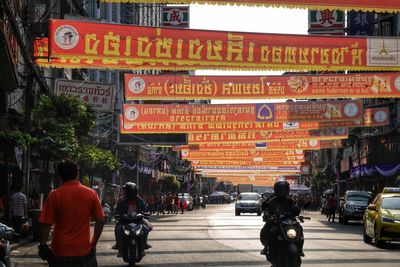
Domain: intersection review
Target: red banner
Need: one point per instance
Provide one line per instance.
(358, 5)
(372, 117)
(344, 110)
(195, 163)
(297, 154)
(173, 87)
(258, 160)
(274, 136)
(183, 49)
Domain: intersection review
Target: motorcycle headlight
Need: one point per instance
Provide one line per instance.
(127, 232)
(137, 231)
(291, 233)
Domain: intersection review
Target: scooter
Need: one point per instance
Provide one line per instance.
(6, 234)
(289, 244)
(133, 241)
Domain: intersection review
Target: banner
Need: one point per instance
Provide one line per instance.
(185, 49)
(187, 154)
(342, 110)
(172, 87)
(364, 5)
(250, 159)
(215, 169)
(372, 117)
(274, 136)
(284, 145)
(244, 163)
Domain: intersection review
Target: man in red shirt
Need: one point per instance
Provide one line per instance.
(70, 209)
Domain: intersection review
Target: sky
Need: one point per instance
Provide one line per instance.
(247, 19)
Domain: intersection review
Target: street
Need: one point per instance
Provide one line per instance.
(216, 237)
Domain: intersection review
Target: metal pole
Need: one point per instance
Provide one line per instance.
(137, 172)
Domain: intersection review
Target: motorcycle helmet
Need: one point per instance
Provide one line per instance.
(131, 190)
(282, 189)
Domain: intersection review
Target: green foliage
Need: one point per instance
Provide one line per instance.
(172, 184)
(92, 157)
(321, 182)
(14, 138)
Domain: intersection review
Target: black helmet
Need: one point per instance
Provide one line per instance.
(131, 190)
(282, 189)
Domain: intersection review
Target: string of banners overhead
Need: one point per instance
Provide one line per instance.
(358, 5)
(187, 49)
(339, 110)
(174, 87)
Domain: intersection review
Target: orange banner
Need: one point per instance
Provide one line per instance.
(284, 145)
(362, 5)
(249, 169)
(274, 136)
(372, 117)
(250, 159)
(243, 163)
(341, 110)
(186, 49)
(174, 87)
(187, 154)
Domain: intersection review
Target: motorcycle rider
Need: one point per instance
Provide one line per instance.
(277, 204)
(130, 204)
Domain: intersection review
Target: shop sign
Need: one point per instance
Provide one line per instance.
(187, 49)
(99, 96)
(360, 23)
(325, 20)
(391, 6)
(175, 16)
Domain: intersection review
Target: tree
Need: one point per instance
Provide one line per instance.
(321, 182)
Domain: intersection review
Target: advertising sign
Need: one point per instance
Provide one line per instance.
(244, 163)
(172, 87)
(324, 21)
(360, 23)
(364, 5)
(340, 110)
(187, 49)
(99, 96)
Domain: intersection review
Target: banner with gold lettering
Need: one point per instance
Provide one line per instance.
(341, 110)
(273, 136)
(243, 163)
(257, 160)
(372, 117)
(178, 87)
(186, 49)
(391, 6)
(250, 169)
(297, 154)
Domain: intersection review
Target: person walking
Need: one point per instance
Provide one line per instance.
(18, 209)
(169, 203)
(182, 202)
(332, 207)
(70, 209)
(176, 203)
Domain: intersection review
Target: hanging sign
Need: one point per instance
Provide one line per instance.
(342, 110)
(175, 16)
(257, 160)
(251, 137)
(364, 5)
(184, 49)
(326, 21)
(285, 169)
(172, 87)
(244, 154)
(244, 163)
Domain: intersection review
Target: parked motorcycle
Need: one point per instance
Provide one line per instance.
(6, 234)
(133, 241)
(290, 241)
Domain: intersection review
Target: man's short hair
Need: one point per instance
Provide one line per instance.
(67, 169)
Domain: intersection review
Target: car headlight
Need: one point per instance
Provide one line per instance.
(348, 207)
(291, 233)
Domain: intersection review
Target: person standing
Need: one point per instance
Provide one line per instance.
(18, 209)
(182, 201)
(70, 209)
(176, 203)
(332, 207)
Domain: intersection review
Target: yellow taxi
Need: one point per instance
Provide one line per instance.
(382, 218)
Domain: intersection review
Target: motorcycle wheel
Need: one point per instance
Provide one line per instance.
(2, 264)
(294, 261)
(133, 256)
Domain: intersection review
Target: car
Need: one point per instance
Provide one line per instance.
(382, 218)
(248, 202)
(353, 205)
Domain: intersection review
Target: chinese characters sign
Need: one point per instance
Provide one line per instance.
(175, 16)
(364, 5)
(345, 110)
(100, 97)
(184, 49)
(166, 87)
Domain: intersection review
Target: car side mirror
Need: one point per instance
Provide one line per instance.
(372, 207)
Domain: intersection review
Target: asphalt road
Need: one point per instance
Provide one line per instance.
(215, 237)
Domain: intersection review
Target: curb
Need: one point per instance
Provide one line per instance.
(16, 245)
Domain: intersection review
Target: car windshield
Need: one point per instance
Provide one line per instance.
(391, 203)
(249, 197)
(358, 197)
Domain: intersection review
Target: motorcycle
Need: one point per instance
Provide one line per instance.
(6, 234)
(289, 244)
(133, 241)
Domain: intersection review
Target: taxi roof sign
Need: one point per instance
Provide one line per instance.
(391, 190)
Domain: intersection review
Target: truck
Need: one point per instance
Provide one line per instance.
(245, 188)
